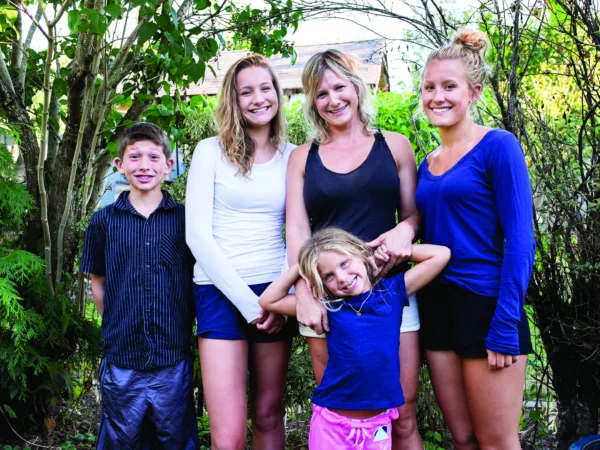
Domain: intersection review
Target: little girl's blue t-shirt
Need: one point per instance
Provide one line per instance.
(363, 370)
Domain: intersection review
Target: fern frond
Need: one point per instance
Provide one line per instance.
(15, 202)
(19, 265)
(21, 326)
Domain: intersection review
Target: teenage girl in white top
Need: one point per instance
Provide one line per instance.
(235, 204)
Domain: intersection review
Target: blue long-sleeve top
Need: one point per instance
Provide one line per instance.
(481, 209)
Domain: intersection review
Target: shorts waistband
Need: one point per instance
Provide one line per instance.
(375, 421)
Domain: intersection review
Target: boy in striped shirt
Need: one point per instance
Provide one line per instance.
(141, 276)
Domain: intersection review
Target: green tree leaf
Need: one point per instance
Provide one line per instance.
(11, 413)
(74, 19)
(113, 10)
(147, 31)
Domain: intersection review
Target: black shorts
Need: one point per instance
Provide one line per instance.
(455, 319)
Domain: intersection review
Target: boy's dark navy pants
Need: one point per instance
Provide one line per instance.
(148, 409)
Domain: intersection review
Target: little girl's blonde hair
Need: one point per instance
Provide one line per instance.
(338, 241)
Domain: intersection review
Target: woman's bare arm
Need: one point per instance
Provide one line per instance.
(398, 240)
(310, 312)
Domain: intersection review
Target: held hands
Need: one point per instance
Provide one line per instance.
(269, 322)
(498, 361)
(391, 248)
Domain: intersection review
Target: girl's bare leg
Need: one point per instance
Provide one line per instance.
(446, 372)
(405, 431)
(495, 399)
(268, 369)
(224, 365)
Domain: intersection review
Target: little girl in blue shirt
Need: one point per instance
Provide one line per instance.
(357, 399)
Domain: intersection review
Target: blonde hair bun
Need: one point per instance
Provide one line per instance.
(469, 46)
(470, 39)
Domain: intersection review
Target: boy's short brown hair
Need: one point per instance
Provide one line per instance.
(144, 131)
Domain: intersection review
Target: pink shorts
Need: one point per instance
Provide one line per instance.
(329, 430)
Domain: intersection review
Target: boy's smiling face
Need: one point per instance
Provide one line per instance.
(145, 165)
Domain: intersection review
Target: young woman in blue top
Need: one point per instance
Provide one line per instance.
(360, 180)
(475, 198)
(360, 390)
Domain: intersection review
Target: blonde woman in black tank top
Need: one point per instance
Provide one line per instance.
(346, 144)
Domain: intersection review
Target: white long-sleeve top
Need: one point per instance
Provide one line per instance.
(234, 223)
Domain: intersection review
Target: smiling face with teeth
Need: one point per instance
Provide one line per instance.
(446, 92)
(343, 275)
(145, 165)
(336, 100)
(257, 97)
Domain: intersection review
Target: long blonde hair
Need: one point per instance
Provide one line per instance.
(237, 145)
(338, 241)
(344, 65)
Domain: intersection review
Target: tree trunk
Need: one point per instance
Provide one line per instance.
(577, 419)
(29, 145)
(81, 68)
(574, 372)
(53, 135)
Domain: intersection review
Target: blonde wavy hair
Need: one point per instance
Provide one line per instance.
(469, 46)
(338, 241)
(237, 145)
(344, 65)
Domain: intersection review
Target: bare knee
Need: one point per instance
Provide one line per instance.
(228, 440)
(464, 440)
(406, 423)
(267, 417)
(492, 440)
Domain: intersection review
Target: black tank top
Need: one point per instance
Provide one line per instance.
(363, 202)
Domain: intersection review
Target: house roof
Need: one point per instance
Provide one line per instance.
(373, 68)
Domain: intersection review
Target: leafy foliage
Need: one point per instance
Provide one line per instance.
(298, 129)
(401, 113)
(15, 203)
(40, 336)
(66, 106)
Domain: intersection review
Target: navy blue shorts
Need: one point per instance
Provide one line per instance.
(455, 319)
(148, 409)
(218, 318)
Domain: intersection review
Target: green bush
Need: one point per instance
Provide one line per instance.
(298, 129)
(400, 112)
(43, 339)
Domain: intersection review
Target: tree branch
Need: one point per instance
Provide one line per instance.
(534, 44)
(63, 8)
(443, 18)
(53, 130)
(26, 44)
(87, 106)
(5, 76)
(47, 85)
(33, 19)
(17, 55)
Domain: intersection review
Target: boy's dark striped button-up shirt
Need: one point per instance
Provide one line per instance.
(148, 309)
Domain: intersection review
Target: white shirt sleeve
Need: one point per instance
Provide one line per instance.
(199, 201)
